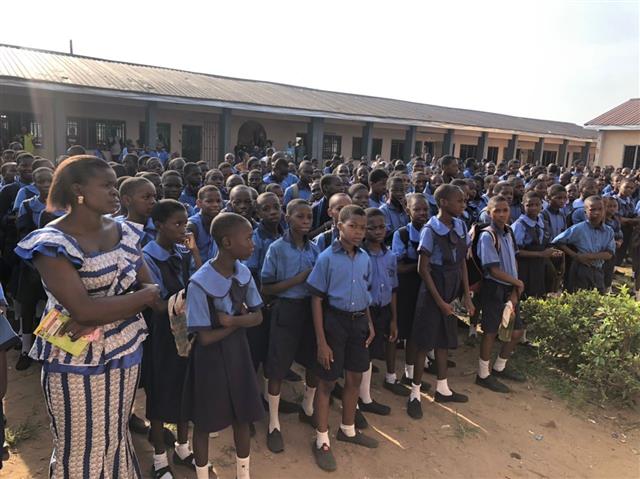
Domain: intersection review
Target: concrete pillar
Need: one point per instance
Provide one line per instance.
(562, 153)
(151, 122)
(316, 134)
(483, 146)
(447, 144)
(585, 152)
(409, 143)
(537, 152)
(224, 137)
(367, 141)
(512, 147)
(59, 126)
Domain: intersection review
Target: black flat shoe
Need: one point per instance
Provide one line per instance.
(374, 408)
(186, 462)
(361, 421)
(454, 397)
(275, 443)
(359, 439)
(24, 361)
(510, 375)
(396, 388)
(424, 387)
(324, 457)
(414, 409)
(492, 384)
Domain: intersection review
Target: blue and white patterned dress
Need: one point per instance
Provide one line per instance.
(89, 397)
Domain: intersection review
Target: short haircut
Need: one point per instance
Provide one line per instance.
(592, 199)
(349, 212)
(373, 212)
(191, 167)
(224, 224)
(42, 169)
(130, 185)
(240, 188)
(40, 162)
(531, 194)
(337, 196)
(234, 178)
(413, 197)
(7, 165)
(255, 172)
(585, 181)
(22, 157)
(459, 182)
(281, 163)
(555, 189)
(378, 174)
(207, 189)
(327, 180)
(265, 195)
(76, 170)
(163, 210)
(394, 179)
(169, 173)
(293, 205)
(75, 150)
(494, 200)
(353, 189)
(445, 192)
(272, 186)
(224, 164)
(446, 160)
(501, 185)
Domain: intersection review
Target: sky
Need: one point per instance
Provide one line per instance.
(556, 60)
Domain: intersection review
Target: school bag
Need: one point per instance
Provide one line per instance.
(403, 233)
(475, 273)
(178, 322)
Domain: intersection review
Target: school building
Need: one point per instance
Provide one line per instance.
(65, 99)
(619, 135)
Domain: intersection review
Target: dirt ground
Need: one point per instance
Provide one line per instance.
(527, 433)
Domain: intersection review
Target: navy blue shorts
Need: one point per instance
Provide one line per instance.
(381, 319)
(493, 296)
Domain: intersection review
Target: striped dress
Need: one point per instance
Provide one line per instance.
(89, 397)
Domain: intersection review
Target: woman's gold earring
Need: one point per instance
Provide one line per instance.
(80, 199)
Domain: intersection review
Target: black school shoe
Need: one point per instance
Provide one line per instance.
(161, 472)
(424, 387)
(359, 439)
(275, 443)
(414, 409)
(509, 374)
(324, 457)
(24, 361)
(492, 384)
(374, 408)
(396, 388)
(361, 421)
(168, 437)
(310, 420)
(186, 462)
(454, 397)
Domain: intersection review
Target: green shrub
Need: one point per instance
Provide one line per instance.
(592, 337)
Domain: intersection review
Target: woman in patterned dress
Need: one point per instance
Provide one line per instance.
(92, 269)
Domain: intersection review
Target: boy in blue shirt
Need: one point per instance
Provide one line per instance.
(210, 204)
(302, 188)
(589, 244)
(287, 265)
(193, 179)
(500, 289)
(341, 277)
(336, 203)
(394, 209)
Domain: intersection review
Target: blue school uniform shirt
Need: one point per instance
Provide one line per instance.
(555, 221)
(377, 203)
(204, 240)
(515, 211)
(286, 182)
(505, 259)
(522, 232)
(320, 242)
(626, 206)
(207, 281)
(614, 224)
(304, 193)
(588, 239)
(155, 251)
(284, 260)
(431, 200)
(384, 276)
(36, 207)
(344, 281)
(429, 245)
(149, 231)
(25, 192)
(578, 214)
(394, 218)
(409, 251)
(188, 197)
(262, 239)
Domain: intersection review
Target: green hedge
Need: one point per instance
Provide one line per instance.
(592, 337)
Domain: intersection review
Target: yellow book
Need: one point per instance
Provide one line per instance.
(49, 330)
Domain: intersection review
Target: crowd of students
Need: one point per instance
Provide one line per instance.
(241, 270)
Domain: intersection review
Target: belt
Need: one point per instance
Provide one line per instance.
(352, 315)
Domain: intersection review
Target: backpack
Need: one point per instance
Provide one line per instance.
(475, 273)
(295, 191)
(403, 233)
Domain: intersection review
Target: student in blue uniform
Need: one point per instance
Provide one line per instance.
(221, 387)
(137, 197)
(242, 203)
(171, 258)
(500, 286)
(627, 216)
(377, 187)
(340, 279)
(301, 189)
(554, 217)
(336, 203)
(442, 265)
(209, 204)
(193, 180)
(172, 187)
(587, 187)
(383, 308)
(394, 209)
(359, 195)
(405, 247)
(329, 185)
(287, 265)
(612, 220)
(589, 244)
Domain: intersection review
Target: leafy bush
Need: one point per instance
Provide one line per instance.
(592, 337)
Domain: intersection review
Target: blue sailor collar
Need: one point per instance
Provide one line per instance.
(531, 223)
(153, 249)
(216, 285)
(441, 229)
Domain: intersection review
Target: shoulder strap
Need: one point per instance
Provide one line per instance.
(327, 238)
(295, 191)
(403, 232)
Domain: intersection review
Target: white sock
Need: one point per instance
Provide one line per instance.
(483, 368)
(408, 370)
(307, 400)
(431, 355)
(365, 386)
(349, 431)
(322, 438)
(499, 364)
(390, 378)
(242, 467)
(427, 361)
(274, 421)
(202, 472)
(415, 392)
(442, 386)
(472, 330)
(27, 341)
(160, 461)
(182, 450)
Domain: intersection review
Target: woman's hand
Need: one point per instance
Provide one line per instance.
(75, 330)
